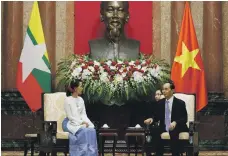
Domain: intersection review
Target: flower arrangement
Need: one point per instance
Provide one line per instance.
(114, 81)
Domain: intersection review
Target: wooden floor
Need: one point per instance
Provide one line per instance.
(203, 153)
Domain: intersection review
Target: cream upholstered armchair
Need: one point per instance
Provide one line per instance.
(54, 114)
(53, 107)
(190, 139)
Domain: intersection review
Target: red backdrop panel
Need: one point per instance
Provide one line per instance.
(88, 25)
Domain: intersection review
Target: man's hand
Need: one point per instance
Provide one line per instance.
(172, 125)
(87, 125)
(148, 121)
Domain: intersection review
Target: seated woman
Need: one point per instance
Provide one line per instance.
(82, 137)
(159, 95)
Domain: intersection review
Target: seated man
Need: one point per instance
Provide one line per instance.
(82, 137)
(172, 114)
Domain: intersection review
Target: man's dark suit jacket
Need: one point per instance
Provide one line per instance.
(179, 114)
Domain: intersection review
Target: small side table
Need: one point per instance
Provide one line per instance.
(137, 133)
(30, 139)
(103, 134)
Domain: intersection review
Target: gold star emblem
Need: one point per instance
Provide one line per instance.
(187, 59)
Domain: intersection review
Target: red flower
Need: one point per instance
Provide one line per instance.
(148, 61)
(96, 67)
(135, 69)
(137, 62)
(126, 62)
(81, 61)
(114, 63)
(111, 79)
(84, 67)
(129, 74)
(125, 78)
(119, 66)
(142, 71)
(90, 63)
(125, 70)
(107, 68)
(112, 73)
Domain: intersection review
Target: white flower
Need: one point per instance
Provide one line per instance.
(91, 68)
(76, 72)
(153, 72)
(132, 63)
(138, 77)
(143, 62)
(139, 66)
(119, 78)
(72, 64)
(158, 68)
(96, 63)
(109, 63)
(119, 62)
(144, 68)
(83, 64)
(104, 77)
(101, 69)
(113, 68)
(124, 74)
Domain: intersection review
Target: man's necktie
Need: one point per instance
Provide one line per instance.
(167, 116)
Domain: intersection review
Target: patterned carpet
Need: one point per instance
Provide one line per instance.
(203, 153)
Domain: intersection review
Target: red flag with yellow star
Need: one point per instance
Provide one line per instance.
(188, 71)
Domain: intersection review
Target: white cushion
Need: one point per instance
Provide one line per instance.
(189, 100)
(54, 108)
(182, 136)
(62, 135)
(30, 135)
